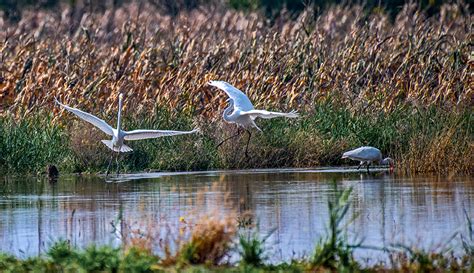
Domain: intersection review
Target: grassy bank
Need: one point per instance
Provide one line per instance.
(420, 141)
(206, 243)
(402, 85)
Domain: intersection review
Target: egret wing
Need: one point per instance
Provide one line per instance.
(97, 122)
(145, 134)
(268, 114)
(364, 153)
(241, 100)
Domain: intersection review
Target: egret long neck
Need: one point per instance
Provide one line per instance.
(119, 113)
(227, 111)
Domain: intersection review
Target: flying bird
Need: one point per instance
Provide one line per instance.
(119, 135)
(367, 155)
(241, 111)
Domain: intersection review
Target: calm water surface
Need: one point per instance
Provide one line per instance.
(423, 211)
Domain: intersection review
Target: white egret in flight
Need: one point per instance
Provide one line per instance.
(367, 155)
(119, 135)
(241, 111)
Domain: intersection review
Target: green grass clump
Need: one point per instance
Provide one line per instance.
(137, 260)
(8, 262)
(61, 252)
(252, 249)
(99, 259)
(333, 251)
(31, 144)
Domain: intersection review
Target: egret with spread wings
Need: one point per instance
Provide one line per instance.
(118, 135)
(241, 111)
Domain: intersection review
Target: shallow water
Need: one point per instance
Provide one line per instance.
(422, 211)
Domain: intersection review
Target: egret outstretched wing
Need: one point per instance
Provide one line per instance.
(145, 134)
(241, 100)
(268, 115)
(97, 122)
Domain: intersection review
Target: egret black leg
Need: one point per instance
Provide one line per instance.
(247, 146)
(360, 165)
(118, 162)
(110, 162)
(222, 142)
(368, 164)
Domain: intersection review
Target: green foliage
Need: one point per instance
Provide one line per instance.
(31, 144)
(333, 250)
(99, 259)
(137, 261)
(7, 262)
(62, 253)
(252, 249)
(189, 254)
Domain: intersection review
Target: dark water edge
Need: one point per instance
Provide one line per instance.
(421, 211)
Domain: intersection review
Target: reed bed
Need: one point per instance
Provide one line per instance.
(343, 59)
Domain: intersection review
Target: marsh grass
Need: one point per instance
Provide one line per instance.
(468, 239)
(412, 259)
(430, 140)
(252, 249)
(31, 144)
(401, 84)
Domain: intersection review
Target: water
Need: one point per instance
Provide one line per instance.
(422, 211)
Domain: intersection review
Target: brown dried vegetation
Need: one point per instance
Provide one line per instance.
(198, 238)
(343, 55)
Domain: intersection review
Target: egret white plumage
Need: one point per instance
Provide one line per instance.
(119, 135)
(367, 155)
(241, 111)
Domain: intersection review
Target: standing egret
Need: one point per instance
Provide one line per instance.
(119, 135)
(241, 111)
(367, 155)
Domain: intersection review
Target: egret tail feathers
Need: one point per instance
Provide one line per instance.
(292, 114)
(123, 149)
(254, 125)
